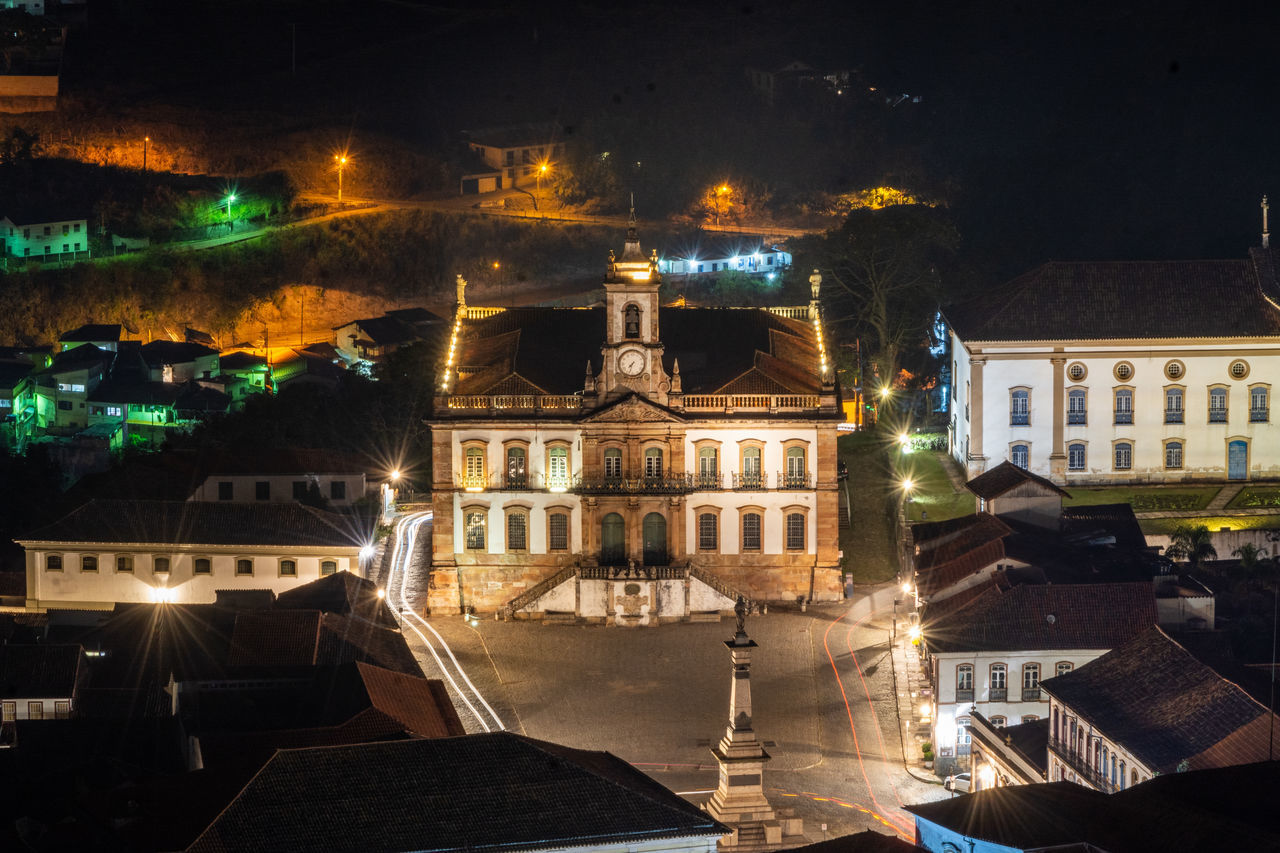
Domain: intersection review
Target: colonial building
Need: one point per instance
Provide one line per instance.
(1148, 708)
(688, 453)
(1122, 372)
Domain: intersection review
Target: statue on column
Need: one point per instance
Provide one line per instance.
(815, 284)
(462, 292)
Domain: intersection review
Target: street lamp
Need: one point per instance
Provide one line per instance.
(231, 197)
(146, 140)
(341, 160)
(723, 189)
(542, 171)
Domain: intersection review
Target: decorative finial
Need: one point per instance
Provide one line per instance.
(631, 220)
(677, 386)
(462, 291)
(589, 383)
(653, 261)
(1266, 234)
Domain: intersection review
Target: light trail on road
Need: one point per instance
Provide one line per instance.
(406, 533)
(899, 825)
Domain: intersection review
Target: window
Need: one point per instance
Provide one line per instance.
(262, 490)
(558, 531)
(1029, 718)
(299, 490)
(964, 682)
(8, 711)
(1019, 407)
(795, 531)
(631, 321)
(1173, 454)
(1020, 455)
(1259, 412)
(517, 530)
(999, 682)
(202, 566)
(328, 567)
(244, 567)
(750, 477)
(516, 476)
(64, 405)
(1030, 682)
(653, 463)
(1063, 668)
(1123, 456)
(1174, 369)
(35, 710)
(1124, 406)
(797, 474)
(963, 738)
(1218, 405)
(53, 563)
(66, 229)
(1173, 405)
(226, 490)
(474, 525)
(1076, 400)
(337, 490)
(61, 709)
(1121, 779)
(708, 468)
(998, 722)
(124, 562)
(613, 464)
(66, 247)
(1238, 369)
(473, 469)
(751, 531)
(288, 568)
(88, 563)
(115, 411)
(707, 538)
(76, 227)
(558, 468)
(1075, 457)
(1077, 371)
(160, 565)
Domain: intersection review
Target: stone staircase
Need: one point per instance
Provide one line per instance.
(538, 590)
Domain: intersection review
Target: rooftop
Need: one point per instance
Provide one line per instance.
(91, 332)
(39, 671)
(1006, 477)
(159, 353)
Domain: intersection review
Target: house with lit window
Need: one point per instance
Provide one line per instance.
(991, 653)
(1121, 372)
(40, 681)
(374, 338)
(286, 475)
(525, 154)
(61, 389)
(17, 406)
(1150, 707)
(109, 552)
(723, 257)
(179, 361)
(632, 463)
(37, 235)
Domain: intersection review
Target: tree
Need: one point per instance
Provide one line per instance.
(1192, 543)
(730, 203)
(886, 265)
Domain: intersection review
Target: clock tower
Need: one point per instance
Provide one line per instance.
(632, 352)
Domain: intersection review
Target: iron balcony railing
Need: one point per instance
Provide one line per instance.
(665, 484)
(531, 483)
(750, 481)
(793, 481)
(473, 482)
(1031, 694)
(1259, 416)
(1217, 416)
(963, 695)
(998, 694)
(1015, 419)
(1172, 416)
(1124, 417)
(1076, 418)
(706, 481)
(1080, 765)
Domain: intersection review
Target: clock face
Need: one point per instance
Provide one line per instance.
(631, 362)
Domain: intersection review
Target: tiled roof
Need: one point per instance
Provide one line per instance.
(867, 841)
(241, 361)
(1019, 816)
(38, 671)
(1028, 740)
(345, 638)
(158, 353)
(137, 393)
(1005, 477)
(1152, 696)
(275, 638)
(1123, 299)
(284, 461)
(93, 332)
(343, 593)
(1055, 616)
(421, 705)
(203, 523)
(480, 792)
(79, 358)
(949, 551)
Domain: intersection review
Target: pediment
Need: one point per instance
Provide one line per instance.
(632, 409)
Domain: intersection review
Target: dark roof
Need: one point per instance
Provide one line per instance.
(159, 353)
(275, 638)
(517, 135)
(1020, 816)
(293, 460)
(949, 551)
(203, 523)
(39, 670)
(719, 350)
(93, 332)
(1095, 520)
(1238, 799)
(78, 358)
(343, 593)
(1005, 477)
(241, 361)
(1125, 299)
(867, 841)
(386, 330)
(12, 373)
(1029, 740)
(1152, 696)
(138, 393)
(478, 792)
(194, 398)
(1055, 616)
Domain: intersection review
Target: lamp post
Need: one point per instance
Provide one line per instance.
(231, 197)
(723, 189)
(341, 160)
(145, 141)
(542, 170)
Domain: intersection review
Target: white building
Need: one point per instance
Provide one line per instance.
(691, 456)
(63, 239)
(727, 257)
(1094, 373)
(39, 681)
(109, 552)
(991, 653)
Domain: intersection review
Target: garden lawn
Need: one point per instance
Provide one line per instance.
(870, 555)
(932, 492)
(1166, 526)
(1144, 498)
(1257, 497)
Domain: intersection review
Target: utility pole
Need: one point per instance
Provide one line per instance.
(302, 313)
(293, 45)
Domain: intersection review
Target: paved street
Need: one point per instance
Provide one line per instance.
(822, 684)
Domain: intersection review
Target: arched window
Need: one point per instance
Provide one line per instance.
(517, 477)
(750, 468)
(1121, 780)
(88, 563)
(1020, 455)
(1259, 411)
(613, 464)
(558, 531)
(964, 682)
(202, 566)
(1124, 406)
(473, 469)
(997, 722)
(653, 463)
(328, 567)
(288, 568)
(707, 532)
(1173, 405)
(1075, 457)
(631, 321)
(53, 563)
(1123, 456)
(1133, 778)
(160, 565)
(1173, 454)
(797, 474)
(1218, 404)
(795, 531)
(999, 682)
(474, 525)
(654, 542)
(708, 468)
(558, 468)
(751, 531)
(1019, 407)
(1077, 399)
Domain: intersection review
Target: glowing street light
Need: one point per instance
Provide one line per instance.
(723, 189)
(382, 593)
(231, 197)
(341, 160)
(904, 439)
(914, 633)
(146, 140)
(884, 393)
(395, 475)
(542, 171)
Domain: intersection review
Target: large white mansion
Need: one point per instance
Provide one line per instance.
(630, 463)
(1122, 372)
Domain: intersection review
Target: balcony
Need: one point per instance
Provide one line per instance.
(998, 694)
(708, 481)
(754, 481)
(794, 481)
(666, 484)
(963, 695)
(1217, 416)
(1077, 762)
(751, 402)
(1014, 420)
(1259, 416)
(1031, 694)
(1124, 418)
(1172, 417)
(1076, 418)
(473, 482)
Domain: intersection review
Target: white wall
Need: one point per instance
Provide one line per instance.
(244, 487)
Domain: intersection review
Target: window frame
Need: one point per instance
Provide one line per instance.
(1003, 670)
(795, 476)
(468, 512)
(226, 490)
(789, 515)
(1225, 392)
(195, 566)
(280, 564)
(1020, 418)
(554, 512)
(963, 693)
(474, 477)
(654, 451)
(1175, 370)
(613, 452)
(1115, 451)
(516, 448)
(1167, 445)
(512, 514)
(1082, 447)
(1260, 414)
(53, 562)
(1026, 452)
(702, 517)
(1175, 415)
(240, 565)
(157, 569)
(706, 475)
(89, 563)
(557, 481)
(262, 490)
(756, 512)
(124, 563)
(1062, 667)
(1078, 416)
(328, 561)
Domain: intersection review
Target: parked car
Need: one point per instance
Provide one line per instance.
(959, 783)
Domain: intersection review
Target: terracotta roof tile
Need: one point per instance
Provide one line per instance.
(275, 638)
(1005, 477)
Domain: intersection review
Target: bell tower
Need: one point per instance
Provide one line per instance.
(631, 358)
